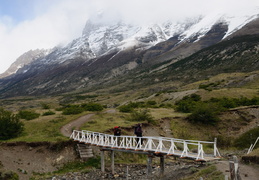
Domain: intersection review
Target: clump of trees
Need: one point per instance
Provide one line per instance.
(141, 115)
(79, 108)
(207, 112)
(10, 125)
(248, 138)
(48, 113)
(131, 106)
(28, 114)
(8, 175)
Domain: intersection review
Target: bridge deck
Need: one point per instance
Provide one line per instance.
(156, 146)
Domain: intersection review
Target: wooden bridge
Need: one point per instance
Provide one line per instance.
(152, 146)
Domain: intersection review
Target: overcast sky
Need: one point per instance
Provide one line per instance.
(36, 24)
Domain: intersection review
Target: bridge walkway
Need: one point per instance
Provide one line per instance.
(202, 151)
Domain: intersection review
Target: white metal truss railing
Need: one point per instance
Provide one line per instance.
(157, 145)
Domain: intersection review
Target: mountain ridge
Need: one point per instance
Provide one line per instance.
(78, 65)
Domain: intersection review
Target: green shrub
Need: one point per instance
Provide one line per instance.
(185, 106)
(28, 115)
(126, 108)
(209, 86)
(8, 175)
(224, 141)
(205, 113)
(10, 125)
(248, 138)
(48, 113)
(188, 103)
(83, 97)
(167, 105)
(45, 106)
(92, 107)
(72, 109)
(235, 102)
(133, 105)
(151, 103)
(141, 115)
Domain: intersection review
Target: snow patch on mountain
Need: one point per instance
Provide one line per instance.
(100, 37)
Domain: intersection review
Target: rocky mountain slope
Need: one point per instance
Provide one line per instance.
(107, 53)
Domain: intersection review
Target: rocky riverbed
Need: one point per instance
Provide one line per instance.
(173, 170)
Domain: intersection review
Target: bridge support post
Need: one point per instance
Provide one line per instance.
(234, 169)
(162, 165)
(112, 161)
(102, 161)
(149, 165)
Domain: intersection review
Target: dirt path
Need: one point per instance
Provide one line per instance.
(246, 171)
(67, 129)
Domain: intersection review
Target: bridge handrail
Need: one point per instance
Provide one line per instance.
(146, 143)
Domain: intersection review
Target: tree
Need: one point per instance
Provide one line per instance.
(141, 115)
(10, 125)
(92, 107)
(28, 114)
(205, 113)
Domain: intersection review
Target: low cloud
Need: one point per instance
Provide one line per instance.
(54, 22)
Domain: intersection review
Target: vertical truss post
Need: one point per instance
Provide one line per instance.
(112, 161)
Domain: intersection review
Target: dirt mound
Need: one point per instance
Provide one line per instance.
(38, 157)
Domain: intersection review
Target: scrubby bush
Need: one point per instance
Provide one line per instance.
(167, 105)
(92, 106)
(248, 138)
(45, 106)
(224, 102)
(28, 114)
(151, 103)
(126, 108)
(205, 113)
(235, 102)
(10, 125)
(188, 103)
(129, 107)
(72, 109)
(48, 113)
(141, 115)
(224, 141)
(8, 175)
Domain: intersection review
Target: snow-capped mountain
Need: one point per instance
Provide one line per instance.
(109, 49)
(24, 59)
(100, 38)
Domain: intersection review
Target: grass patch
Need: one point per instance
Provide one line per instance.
(183, 129)
(255, 152)
(159, 113)
(228, 92)
(79, 166)
(102, 122)
(45, 128)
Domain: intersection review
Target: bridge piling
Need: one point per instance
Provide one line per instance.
(149, 165)
(162, 165)
(102, 161)
(112, 161)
